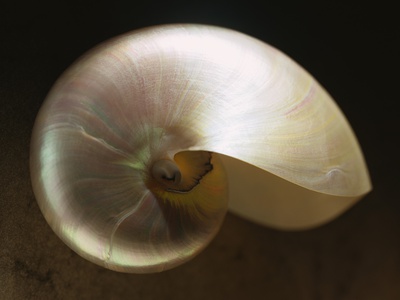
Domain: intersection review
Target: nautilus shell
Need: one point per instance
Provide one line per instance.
(145, 142)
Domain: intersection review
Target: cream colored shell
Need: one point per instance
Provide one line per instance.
(291, 158)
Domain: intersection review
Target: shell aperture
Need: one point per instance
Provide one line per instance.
(140, 143)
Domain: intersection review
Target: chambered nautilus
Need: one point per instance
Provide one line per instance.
(145, 142)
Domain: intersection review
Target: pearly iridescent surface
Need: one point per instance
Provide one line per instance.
(156, 92)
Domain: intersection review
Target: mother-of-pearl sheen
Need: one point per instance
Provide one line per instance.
(239, 119)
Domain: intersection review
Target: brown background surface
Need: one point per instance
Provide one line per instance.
(349, 48)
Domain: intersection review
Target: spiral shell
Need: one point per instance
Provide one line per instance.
(140, 143)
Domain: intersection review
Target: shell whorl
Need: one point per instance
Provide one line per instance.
(130, 148)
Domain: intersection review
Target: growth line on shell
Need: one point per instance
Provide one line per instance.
(121, 218)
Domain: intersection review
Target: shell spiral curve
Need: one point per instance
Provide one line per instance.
(141, 142)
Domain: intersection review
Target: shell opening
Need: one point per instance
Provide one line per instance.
(166, 172)
(183, 173)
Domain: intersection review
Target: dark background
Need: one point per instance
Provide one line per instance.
(349, 47)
